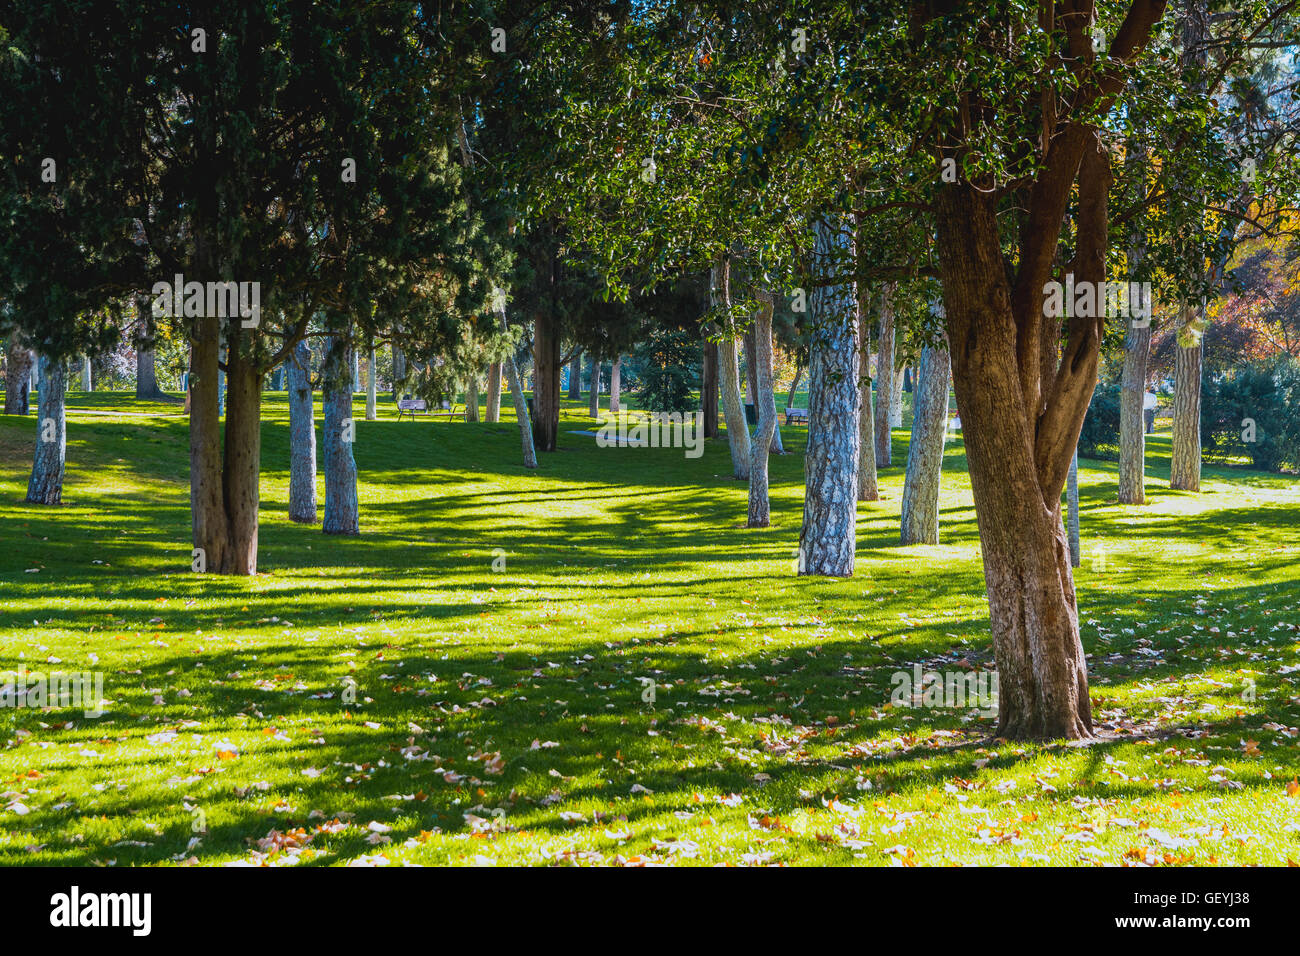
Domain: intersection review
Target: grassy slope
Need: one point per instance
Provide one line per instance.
(772, 739)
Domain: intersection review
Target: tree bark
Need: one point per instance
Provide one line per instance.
(87, 382)
(794, 386)
(593, 397)
(18, 374)
(46, 484)
(709, 389)
(760, 508)
(493, 413)
(399, 371)
(1132, 419)
(896, 398)
(729, 372)
(302, 438)
(546, 382)
(920, 514)
(868, 488)
(146, 374)
(885, 381)
(1185, 465)
(829, 534)
(338, 432)
(615, 383)
(575, 376)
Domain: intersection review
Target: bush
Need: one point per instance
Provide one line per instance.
(1266, 393)
(670, 370)
(1100, 435)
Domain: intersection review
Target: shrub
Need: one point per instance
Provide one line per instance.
(1100, 435)
(1266, 393)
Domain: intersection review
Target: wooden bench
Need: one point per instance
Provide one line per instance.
(450, 410)
(796, 415)
(411, 405)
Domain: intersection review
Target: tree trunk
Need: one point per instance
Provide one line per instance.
(868, 489)
(1185, 466)
(729, 373)
(896, 398)
(546, 382)
(146, 374)
(372, 386)
(615, 383)
(527, 429)
(593, 398)
(709, 389)
(920, 516)
(18, 374)
(46, 484)
(356, 370)
(760, 509)
(302, 438)
(886, 397)
(471, 398)
(493, 414)
(575, 376)
(1132, 417)
(1017, 455)
(338, 434)
(829, 534)
(751, 358)
(87, 382)
(399, 371)
(1072, 504)
(794, 386)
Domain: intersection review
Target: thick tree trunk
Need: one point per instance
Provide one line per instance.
(146, 374)
(615, 383)
(885, 379)
(760, 509)
(87, 381)
(46, 484)
(243, 456)
(575, 376)
(751, 359)
(1185, 466)
(729, 373)
(546, 382)
(302, 438)
(593, 397)
(829, 534)
(920, 514)
(471, 398)
(372, 386)
(1015, 457)
(1072, 510)
(1132, 418)
(527, 429)
(868, 488)
(18, 375)
(337, 435)
(493, 412)
(709, 389)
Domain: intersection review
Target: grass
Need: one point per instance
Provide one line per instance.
(499, 714)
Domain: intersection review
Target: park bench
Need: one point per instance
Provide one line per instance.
(796, 415)
(411, 405)
(450, 410)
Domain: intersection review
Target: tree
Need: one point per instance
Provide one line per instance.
(920, 514)
(302, 437)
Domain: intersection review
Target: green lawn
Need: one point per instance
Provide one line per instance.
(499, 714)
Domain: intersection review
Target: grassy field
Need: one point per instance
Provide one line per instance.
(499, 714)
